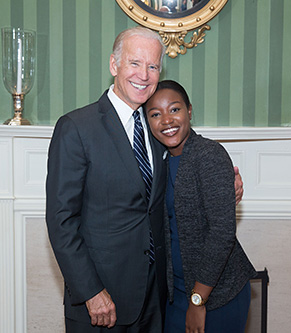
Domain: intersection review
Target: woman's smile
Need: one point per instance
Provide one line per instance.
(170, 131)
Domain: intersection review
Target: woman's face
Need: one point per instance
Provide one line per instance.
(169, 119)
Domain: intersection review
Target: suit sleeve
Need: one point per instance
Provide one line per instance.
(67, 167)
(218, 197)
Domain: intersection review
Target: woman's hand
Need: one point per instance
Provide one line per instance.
(195, 319)
(238, 185)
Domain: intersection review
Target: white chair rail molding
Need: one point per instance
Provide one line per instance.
(30, 282)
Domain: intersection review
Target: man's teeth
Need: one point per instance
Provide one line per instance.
(138, 86)
(170, 130)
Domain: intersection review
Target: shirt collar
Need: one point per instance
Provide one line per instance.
(123, 110)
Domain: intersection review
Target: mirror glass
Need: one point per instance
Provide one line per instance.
(172, 8)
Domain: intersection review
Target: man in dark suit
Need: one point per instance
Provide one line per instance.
(98, 215)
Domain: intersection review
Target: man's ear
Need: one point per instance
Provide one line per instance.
(112, 65)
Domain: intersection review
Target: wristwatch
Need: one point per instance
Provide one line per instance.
(197, 299)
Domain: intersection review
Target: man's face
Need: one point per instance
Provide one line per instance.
(138, 73)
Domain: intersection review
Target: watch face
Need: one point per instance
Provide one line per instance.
(196, 299)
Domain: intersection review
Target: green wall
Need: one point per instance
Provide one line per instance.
(240, 75)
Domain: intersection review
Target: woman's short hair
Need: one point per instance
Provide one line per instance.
(136, 31)
(173, 85)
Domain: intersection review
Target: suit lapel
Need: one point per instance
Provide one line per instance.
(116, 131)
(159, 165)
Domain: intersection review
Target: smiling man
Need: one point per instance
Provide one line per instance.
(105, 223)
(136, 73)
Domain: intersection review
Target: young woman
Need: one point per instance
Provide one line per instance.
(208, 271)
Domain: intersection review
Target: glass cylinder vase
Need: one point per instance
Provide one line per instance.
(18, 67)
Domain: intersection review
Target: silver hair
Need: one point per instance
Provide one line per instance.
(136, 31)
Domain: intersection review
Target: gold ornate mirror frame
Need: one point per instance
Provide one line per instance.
(173, 30)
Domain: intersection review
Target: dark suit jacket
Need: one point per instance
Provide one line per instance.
(97, 215)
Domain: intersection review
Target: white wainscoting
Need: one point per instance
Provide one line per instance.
(30, 283)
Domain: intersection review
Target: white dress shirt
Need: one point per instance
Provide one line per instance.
(125, 115)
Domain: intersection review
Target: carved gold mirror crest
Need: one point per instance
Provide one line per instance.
(173, 19)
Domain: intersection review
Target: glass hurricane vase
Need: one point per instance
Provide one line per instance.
(18, 68)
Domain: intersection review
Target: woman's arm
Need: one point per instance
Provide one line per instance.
(195, 316)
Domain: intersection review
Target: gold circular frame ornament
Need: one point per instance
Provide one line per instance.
(173, 30)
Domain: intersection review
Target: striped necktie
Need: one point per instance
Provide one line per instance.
(142, 157)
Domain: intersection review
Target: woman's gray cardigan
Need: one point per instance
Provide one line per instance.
(205, 212)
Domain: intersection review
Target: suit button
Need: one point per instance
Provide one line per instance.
(146, 252)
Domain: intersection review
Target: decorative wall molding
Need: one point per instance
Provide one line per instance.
(245, 133)
(264, 165)
(23, 153)
(26, 131)
(20, 220)
(6, 150)
(7, 291)
(216, 133)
